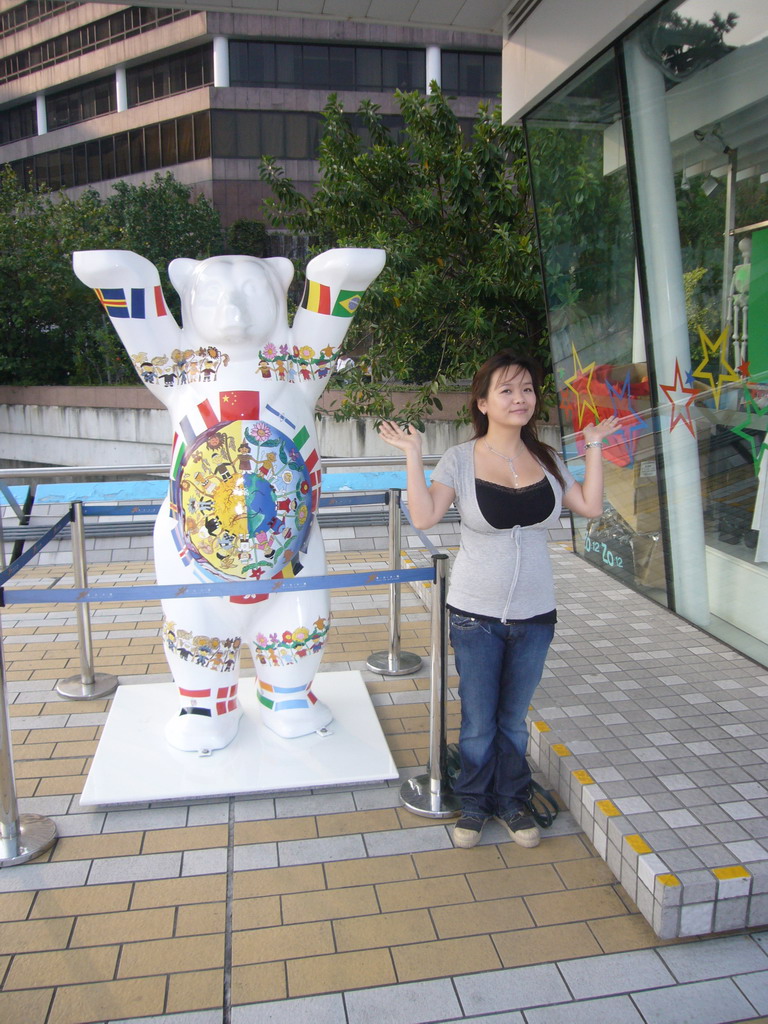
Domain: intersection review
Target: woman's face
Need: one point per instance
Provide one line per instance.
(511, 398)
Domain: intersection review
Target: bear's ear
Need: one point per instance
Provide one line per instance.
(283, 268)
(180, 271)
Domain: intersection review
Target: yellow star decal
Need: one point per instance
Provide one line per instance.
(584, 397)
(715, 352)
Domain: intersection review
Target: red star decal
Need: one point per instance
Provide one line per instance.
(677, 388)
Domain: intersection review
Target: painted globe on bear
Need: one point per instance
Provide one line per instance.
(242, 498)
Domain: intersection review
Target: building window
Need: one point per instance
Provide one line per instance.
(324, 67)
(143, 149)
(18, 123)
(126, 23)
(75, 105)
(179, 73)
(251, 134)
(471, 74)
(31, 13)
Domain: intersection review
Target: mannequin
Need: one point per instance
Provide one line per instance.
(739, 301)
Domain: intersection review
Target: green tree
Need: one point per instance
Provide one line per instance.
(52, 329)
(247, 238)
(41, 307)
(452, 212)
(162, 221)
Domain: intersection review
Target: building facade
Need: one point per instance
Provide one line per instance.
(91, 93)
(647, 135)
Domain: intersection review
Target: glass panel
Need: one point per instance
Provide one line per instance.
(272, 134)
(122, 155)
(588, 250)
(315, 67)
(368, 60)
(225, 133)
(168, 142)
(138, 153)
(108, 157)
(296, 143)
(249, 134)
(186, 139)
(341, 67)
(698, 106)
(288, 65)
(202, 124)
(152, 146)
(449, 70)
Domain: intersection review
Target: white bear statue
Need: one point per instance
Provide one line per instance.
(241, 387)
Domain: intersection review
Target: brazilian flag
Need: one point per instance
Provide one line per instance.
(347, 303)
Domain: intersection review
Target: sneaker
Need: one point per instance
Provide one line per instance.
(521, 827)
(467, 831)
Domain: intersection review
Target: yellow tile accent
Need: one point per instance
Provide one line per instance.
(261, 945)
(609, 808)
(444, 957)
(426, 892)
(171, 956)
(583, 777)
(254, 983)
(539, 945)
(541, 726)
(561, 750)
(638, 844)
(378, 930)
(195, 990)
(735, 871)
(670, 880)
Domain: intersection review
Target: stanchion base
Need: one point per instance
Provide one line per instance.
(36, 835)
(75, 689)
(417, 795)
(383, 663)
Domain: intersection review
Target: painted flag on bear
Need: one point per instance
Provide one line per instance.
(131, 303)
(347, 303)
(317, 298)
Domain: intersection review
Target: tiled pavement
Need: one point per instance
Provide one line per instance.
(340, 907)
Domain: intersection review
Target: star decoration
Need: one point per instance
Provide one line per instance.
(744, 369)
(584, 398)
(715, 356)
(758, 448)
(678, 388)
(631, 422)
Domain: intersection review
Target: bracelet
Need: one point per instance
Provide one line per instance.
(593, 444)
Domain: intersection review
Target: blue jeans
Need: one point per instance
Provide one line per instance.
(499, 668)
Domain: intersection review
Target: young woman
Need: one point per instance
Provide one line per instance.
(509, 488)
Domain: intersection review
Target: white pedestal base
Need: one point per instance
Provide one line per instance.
(135, 764)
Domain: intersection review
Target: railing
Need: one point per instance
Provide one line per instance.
(23, 837)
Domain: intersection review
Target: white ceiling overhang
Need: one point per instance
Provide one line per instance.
(463, 15)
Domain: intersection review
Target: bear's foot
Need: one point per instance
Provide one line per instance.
(293, 722)
(196, 732)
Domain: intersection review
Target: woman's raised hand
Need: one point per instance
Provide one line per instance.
(406, 440)
(599, 431)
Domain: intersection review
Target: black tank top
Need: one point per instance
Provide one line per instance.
(505, 507)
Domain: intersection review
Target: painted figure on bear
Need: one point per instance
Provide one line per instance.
(241, 387)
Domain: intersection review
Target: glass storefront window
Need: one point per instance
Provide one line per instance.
(699, 78)
(650, 174)
(588, 245)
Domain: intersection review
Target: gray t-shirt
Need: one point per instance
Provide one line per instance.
(506, 574)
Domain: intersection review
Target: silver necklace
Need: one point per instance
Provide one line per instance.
(509, 459)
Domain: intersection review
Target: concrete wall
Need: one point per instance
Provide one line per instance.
(128, 427)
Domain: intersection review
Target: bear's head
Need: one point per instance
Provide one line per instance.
(233, 301)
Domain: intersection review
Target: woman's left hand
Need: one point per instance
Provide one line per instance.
(599, 431)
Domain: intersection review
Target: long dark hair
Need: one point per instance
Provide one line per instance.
(481, 384)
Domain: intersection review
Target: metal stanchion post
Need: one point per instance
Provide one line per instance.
(89, 684)
(430, 795)
(394, 662)
(24, 836)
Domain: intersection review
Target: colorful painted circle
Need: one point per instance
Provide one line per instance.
(243, 498)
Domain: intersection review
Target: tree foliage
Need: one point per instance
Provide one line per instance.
(453, 214)
(52, 329)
